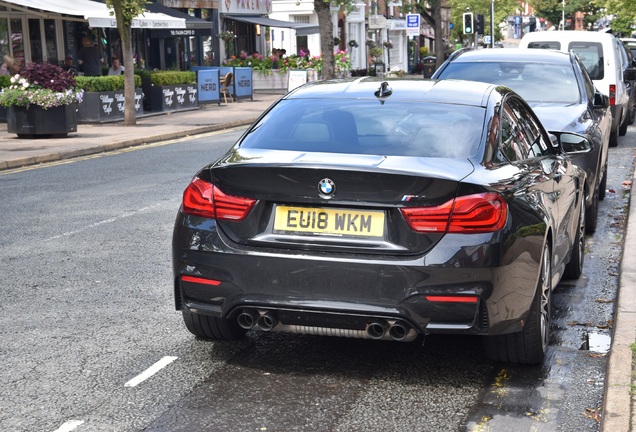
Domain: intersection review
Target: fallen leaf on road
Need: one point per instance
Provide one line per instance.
(593, 414)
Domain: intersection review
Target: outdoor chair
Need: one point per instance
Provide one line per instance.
(226, 86)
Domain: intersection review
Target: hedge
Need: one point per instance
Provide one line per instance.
(103, 83)
(173, 78)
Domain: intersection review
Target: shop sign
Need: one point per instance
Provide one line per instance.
(377, 22)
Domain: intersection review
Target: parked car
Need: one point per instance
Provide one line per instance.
(385, 209)
(630, 44)
(628, 62)
(602, 57)
(561, 93)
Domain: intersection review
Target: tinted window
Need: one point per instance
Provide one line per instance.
(535, 82)
(521, 135)
(591, 55)
(546, 45)
(393, 128)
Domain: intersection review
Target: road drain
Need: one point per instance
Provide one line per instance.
(596, 343)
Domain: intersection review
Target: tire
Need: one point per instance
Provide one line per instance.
(574, 268)
(622, 130)
(212, 328)
(603, 186)
(613, 141)
(591, 214)
(528, 346)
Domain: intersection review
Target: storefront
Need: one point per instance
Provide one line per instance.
(38, 30)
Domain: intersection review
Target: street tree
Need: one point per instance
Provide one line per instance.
(125, 11)
(323, 10)
(624, 12)
(503, 9)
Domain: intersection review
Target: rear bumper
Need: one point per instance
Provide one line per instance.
(466, 284)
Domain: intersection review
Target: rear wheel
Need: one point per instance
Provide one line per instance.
(591, 214)
(528, 346)
(613, 141)
(623, 129)
(603, 186)
(574, 268)
(212, 328)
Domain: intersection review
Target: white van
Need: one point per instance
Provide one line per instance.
(604, 61)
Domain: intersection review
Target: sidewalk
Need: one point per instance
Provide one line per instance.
(98, 138)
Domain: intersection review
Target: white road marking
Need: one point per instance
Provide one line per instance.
(110, 220)
(150, 371)
(69, 426)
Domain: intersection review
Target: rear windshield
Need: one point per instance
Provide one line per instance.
(553, 45)
(535, 82)
(591, 55)
(392, 128)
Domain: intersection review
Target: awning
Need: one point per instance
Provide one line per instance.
(301, 29)
(191, 22)
(97, 14)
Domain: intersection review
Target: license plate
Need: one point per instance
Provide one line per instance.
(329, 221)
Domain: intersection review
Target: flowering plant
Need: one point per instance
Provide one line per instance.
(301, 61)
(226, 35)
(43, 84)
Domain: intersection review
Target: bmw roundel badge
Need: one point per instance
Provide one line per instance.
(326, 187)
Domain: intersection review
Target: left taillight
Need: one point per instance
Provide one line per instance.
(203, 199)
(477, 213)
(612, 94)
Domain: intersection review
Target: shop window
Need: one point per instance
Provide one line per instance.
(35, 36)
(50, 38)
(4, 37)
(17, 40)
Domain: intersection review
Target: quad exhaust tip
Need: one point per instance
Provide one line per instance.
(377, 329)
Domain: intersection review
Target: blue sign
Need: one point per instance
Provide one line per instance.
(208, 83)
(412, 24)
(243, 86)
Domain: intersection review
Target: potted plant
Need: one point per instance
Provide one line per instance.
(42, 101)
(104, 98)
(173, 91)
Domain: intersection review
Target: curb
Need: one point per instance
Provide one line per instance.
(58, 156)
(617, 404)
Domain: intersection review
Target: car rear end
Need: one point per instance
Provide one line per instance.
(307, 227)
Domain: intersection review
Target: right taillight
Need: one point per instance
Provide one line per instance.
(612, 94)
(478, 213)
(203, 199)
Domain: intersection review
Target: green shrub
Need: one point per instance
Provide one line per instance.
(103, 83)
(143, 73)
(5, 81)
(173, 78)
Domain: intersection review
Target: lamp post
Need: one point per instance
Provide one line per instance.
(563, 16)
(492, 23)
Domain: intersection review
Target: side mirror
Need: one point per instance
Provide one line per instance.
(600, 100)
(571, 143)
(629, 74)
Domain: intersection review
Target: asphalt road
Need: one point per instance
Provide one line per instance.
(91, 341)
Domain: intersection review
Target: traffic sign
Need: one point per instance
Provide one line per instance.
(412, 24)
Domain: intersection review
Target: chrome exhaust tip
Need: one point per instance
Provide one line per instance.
(267, 321)
(377, 329)
(247, 319)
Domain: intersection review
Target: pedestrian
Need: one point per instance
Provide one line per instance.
(7, 64)
(116, 68)
(90, 58)
(68, 65)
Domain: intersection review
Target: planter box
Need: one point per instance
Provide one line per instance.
(33, 121)
(100, 107)
(173, 97)
(273, 81)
